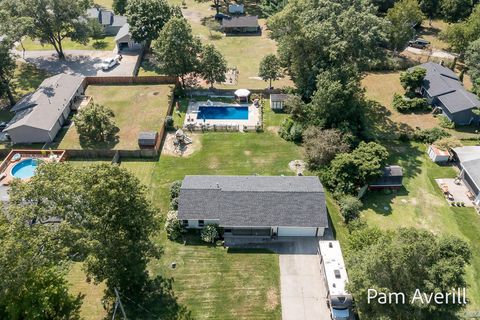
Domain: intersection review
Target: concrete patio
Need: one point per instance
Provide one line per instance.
(457, 189)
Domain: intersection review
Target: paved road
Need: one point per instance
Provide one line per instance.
(81, 62)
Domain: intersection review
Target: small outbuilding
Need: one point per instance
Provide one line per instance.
(124, 39)
(242, 95)
(277, 101)
(236, 8)
(438, 155)
(147, 139)
(241, 25)
(391, 178)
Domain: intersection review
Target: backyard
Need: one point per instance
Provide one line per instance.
(136, 108)
(241, 52)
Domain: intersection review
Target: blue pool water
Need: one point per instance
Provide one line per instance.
(220, 113)
(25, 169)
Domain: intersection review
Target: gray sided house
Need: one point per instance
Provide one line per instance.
(111, 23)
(255, 205)
(124, 39)
(241, 25)
(469, 159)
(445, 92)
(40, 115)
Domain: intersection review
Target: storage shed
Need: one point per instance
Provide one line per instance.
(243, 24)
(147, 139)
(391, 178)
(277, 101)
(438, 155)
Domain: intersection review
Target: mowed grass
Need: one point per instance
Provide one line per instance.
(431, 32)
(106, 43)
(241, 52)
(104, 3)
(421, 205)
(212, 282)
(136, 108)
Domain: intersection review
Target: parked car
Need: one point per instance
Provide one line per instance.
(110, 63)
(418, 43)
(3, 125)
(221, 16)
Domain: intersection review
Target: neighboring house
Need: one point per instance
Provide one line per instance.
(469, 159)
(124, 40)
(255, 205)
(40, 115)
(336, 278)
(445, 92)
(110, 22)
(277, 101)
(438, 155)
(239, 25)
(391, 178)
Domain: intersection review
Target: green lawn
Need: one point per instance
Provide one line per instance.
(137, 108)
(241, 52)
(105, 43)
(421, 205)
(104, 3)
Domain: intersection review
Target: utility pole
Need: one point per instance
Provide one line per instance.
(118, 303)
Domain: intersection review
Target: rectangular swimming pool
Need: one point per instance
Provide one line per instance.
(222, 113)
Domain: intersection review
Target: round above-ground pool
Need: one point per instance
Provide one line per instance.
(25, 169)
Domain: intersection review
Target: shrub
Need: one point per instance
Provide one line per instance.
(448, 143)
(174, 204)
(173, 226)
(430, 135)
(175, 189)
(321, 146)
(406, 105)
(169, 122)
(350, 207)
(95, 123)
(446, 123)
(210, 233)
(291, 131)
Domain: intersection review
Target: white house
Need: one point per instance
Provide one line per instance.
(40, 115)
(255, 205)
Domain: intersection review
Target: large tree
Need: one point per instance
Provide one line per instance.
(460, 35)
(177, 50)
(106, 221)
(472, 61)
(412, 79)
(403, 261)
(402, 18)
(213, 65)
(455, 10)
(120, 6)
(321, 146)
(95, 123)
(7, 70)
(51, 21)
(269, 69)
(316, 35)
(148, 17)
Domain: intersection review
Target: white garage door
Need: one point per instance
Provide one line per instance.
(296, 232)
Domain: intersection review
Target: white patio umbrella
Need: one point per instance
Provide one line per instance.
(241, 93)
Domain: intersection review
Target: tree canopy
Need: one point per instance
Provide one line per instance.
(270, 69)
(402, 261)
(455, 10)
(7, 70)
(148, 17)
(472, 61)
(315, 36)
(321, 146)
(402, 18)
(177, 50)
(51, 21)
(213, 65)
(120, 6)
(412, 79)
(460, 35)
(95, 123)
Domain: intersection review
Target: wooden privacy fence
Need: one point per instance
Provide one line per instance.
(116, 80)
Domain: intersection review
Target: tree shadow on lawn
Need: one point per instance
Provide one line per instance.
(380, 124)
(381, 202)
(86, 143)
(29, 77)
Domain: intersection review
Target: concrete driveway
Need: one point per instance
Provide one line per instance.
(303, 289)
(82, 62)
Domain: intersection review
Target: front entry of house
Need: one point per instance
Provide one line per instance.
(249, 231)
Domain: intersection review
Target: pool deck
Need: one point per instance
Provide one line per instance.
(193, 110)
(6, 176)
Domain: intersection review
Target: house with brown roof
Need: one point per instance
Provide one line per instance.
(241, 25)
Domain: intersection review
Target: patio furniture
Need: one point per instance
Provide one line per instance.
(470, 195)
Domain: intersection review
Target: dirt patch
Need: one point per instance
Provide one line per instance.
(170, 149)
(247, 152)
(297, 166)
(272, 299)
(273, 129)
(214, 163)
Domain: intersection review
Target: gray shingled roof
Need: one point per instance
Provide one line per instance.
(124, 33)
(278, 97)
(254, 200)
(42, 108)
(391, 176)
(472, 167)
(444, 84)
(106, 17)
(240, 22)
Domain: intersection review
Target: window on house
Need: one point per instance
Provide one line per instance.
(227, 230)
(185, 223)
(201, 223)
(337, 274)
